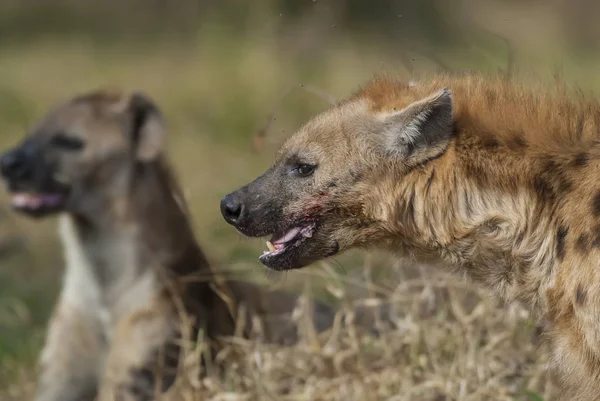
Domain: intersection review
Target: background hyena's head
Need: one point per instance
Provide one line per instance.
(82, 153)
(326, 190)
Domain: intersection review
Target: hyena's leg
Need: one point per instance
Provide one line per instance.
(70, 360)
(142, 361)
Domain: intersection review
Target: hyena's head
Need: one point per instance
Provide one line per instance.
(82, 153)
(323, 195)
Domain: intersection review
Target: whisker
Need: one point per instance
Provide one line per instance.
(341, 267)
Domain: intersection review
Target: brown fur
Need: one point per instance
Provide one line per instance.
(526, 164)
(136, 281)
(505, 189)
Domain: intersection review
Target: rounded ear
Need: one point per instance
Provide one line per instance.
(148, 130)
(422, 130)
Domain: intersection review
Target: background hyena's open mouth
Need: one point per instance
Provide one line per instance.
(285, 245)
(38, 204)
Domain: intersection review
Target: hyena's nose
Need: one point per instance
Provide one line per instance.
(13, 164)
(232, 209)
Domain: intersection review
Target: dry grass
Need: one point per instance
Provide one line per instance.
(447, 340)
(435, 338)
(444, 340)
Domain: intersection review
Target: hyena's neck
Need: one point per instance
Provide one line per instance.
(160, 211)
(144, 246)
(148, 229)
(492, 227)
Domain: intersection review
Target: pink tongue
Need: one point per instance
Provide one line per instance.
(287, 237)
(51, 199)
(34, 201)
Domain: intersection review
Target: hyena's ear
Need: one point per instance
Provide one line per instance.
(420, 131)
(148, 127)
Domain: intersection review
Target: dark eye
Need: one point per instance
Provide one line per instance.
(304, 170)
(66, 142)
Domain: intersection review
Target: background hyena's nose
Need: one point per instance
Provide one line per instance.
(12, 164)
(232, 209)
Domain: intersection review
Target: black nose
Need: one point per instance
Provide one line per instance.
(232, 209)
(13, 164)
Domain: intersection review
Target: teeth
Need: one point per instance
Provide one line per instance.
(270, 246)
(20, 200)
(307, 232)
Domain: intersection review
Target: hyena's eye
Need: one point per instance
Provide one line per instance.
(304, 170)
(66, 142)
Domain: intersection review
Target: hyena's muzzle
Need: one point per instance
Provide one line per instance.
(29, 177)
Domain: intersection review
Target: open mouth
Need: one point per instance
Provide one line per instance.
(36, 203)
(283, 241)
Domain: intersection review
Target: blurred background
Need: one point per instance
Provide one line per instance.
(235, 78)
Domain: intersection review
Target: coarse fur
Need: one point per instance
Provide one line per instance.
(494, 178)
(137, 285)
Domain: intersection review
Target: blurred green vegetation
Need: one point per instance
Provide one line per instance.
(220, 71)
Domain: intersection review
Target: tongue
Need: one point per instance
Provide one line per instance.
(35, 201)
(51, 199)
(288, 236)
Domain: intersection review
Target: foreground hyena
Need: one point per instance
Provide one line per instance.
(134, 267)
(479, 173)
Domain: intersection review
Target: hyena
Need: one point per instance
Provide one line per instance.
(493, 178)
(134, 270)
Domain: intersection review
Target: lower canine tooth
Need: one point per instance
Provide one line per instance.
(270, 246)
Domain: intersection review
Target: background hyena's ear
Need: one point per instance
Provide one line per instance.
(420, 131)
(148, 127)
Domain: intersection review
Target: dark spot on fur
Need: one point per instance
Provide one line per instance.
(564, 185)
(490, 143)
(543, 189)
(551, 168)
(583, 243)
(552, 171)
(478, 173)
(580, 295)
(517, 141)
(551, 182)
(560, 242)
(580, 160)
(596, 204)
(331, 184)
